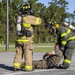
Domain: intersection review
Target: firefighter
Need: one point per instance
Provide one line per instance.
(66, 42)
(50, 59)
(24, 41)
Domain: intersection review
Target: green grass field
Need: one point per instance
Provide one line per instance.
(44, 48)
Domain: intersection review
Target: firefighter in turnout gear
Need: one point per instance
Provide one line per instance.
(24, 41)
(66, 42)
(50, 59)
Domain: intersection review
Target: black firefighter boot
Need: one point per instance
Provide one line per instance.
(63, 66)
(16, 69)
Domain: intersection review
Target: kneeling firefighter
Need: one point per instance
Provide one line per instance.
(66, 42)
(24, 42)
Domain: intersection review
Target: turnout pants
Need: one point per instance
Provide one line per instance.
(23, 50)
(68, 52)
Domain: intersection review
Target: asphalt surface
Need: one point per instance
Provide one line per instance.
(6, 66)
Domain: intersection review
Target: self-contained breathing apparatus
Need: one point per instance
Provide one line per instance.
(21, 30)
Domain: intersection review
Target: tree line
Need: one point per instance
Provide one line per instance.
(55, 12)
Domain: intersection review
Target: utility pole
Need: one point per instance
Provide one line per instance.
(69, 19)
(7, 25)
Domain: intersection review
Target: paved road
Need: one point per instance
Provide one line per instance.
(6, 63)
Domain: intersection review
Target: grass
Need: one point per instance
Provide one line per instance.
(36, 49)
(3, 49)
(43, 49)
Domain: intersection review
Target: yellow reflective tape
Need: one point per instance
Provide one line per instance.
(22, 41)
(64, 42)
(23, 8)
(28, 6)
(72, 38)
(16, 64)
(67, 61)
(26, 25)
(23, 37)
(64, 34)
(37, 21)
(28, 67)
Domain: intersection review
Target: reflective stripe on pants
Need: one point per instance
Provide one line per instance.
(16, 64)
(67, 61)
(28, 57)
(28, 67)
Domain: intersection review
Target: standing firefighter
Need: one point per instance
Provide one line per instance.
(66, 42)
(24, 42)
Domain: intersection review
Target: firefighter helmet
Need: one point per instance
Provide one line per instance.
(26, 8)
(56, 25)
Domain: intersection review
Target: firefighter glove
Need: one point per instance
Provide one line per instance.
(27, 33)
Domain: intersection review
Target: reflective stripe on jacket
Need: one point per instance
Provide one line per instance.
(64, 34)
(22, 39)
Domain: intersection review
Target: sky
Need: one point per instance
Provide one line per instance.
(71, 4)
